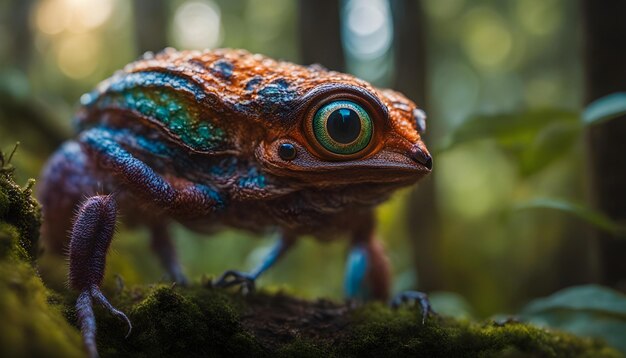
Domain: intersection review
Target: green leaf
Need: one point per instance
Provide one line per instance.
(605, 108)
(509, 129)
(589, 310)
(551, 143)
(584, 213)
(533, 139)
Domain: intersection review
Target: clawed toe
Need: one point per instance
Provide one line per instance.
(234, 278)
(87, 319)
(412, 297)
(102, 300)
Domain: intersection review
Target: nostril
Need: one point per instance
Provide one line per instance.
(422, 157)
(429, 163)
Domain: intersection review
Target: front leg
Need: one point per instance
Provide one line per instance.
(94, 226)
(247, 280)
(90, 240)
(368, 271)
(179, 198)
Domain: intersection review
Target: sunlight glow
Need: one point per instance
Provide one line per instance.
(55, 16)
(197, 25)
(78, 55)
(51, 17)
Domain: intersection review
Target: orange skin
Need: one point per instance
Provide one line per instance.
(196, 137)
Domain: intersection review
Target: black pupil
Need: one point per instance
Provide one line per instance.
(344, 125)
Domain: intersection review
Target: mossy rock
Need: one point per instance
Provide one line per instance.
(32, 324)
(19, 209)
(209, 322)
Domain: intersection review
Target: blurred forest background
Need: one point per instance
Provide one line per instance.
(503, 83)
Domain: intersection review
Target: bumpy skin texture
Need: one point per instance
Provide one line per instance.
(195, 137)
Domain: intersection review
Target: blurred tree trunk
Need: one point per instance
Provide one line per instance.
(18, 20)
(320, 33)
(410, 79)
(605, 69)
(151, 25)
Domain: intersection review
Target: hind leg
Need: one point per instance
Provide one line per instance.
(63, 184)
(163, 246)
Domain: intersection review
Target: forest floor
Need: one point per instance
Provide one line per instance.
(204, 321)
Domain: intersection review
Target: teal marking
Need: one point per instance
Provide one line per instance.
(165, 99)
(356, 270)
(253, 180)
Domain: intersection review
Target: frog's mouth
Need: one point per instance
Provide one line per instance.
(395, 167)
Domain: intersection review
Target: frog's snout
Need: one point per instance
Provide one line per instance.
(421, 156)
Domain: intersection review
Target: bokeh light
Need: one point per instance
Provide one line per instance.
(54, 16)
(368, 30)
(67, 31)
(539, 17)
(486, 37)
(197, 25)
(78, 55)
(367, 34)
(51, 17)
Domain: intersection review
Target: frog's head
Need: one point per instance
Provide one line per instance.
(318, 127)
(348, 132)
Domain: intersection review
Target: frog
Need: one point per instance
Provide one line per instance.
(226, 138)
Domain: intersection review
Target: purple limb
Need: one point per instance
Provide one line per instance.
(94, 226)
(183, 200)
(90, 240)
(84, 312)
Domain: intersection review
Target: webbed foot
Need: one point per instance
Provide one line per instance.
(87, 319)
(247, 280)
(232, 278)
(414, 297)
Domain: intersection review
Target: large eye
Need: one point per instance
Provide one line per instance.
(342, 127)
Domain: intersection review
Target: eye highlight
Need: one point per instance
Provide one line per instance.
(342, 127)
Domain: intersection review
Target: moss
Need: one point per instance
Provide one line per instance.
(10, 247)
(377, 331)
(303, 348)
(20, 209)
(31, 326)
(32, 323)
(4, 203)
(168, 321)
(207, 322)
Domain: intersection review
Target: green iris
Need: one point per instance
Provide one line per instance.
(342, 127)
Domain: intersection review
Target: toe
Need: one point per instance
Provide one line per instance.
(414, 297)
(104, 302)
